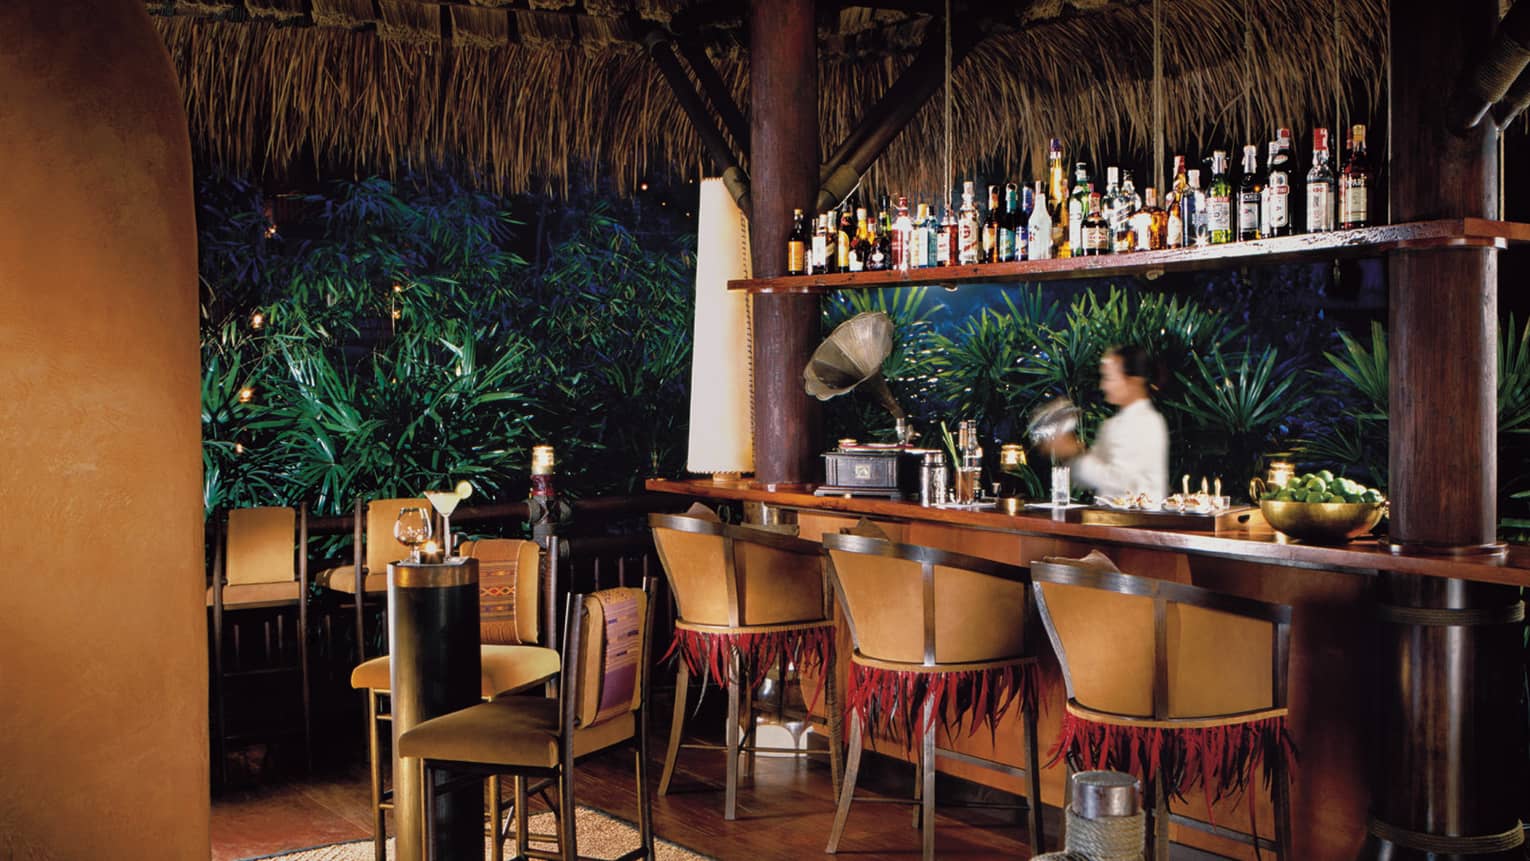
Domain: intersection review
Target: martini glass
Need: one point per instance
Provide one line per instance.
(445, 502)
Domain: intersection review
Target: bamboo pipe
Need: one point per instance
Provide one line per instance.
(1487, 80)
(661, 51)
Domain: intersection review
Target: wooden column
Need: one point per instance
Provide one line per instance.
(783, 135)
(1450, 764)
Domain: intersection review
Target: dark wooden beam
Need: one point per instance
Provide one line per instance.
(660, 49)
(1488, 74)
(1449, 760)
(783, 117)
(716, 91)
(891, 114)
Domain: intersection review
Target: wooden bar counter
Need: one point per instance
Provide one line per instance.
(1336, 658)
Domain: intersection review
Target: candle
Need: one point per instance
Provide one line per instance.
(1281, 473)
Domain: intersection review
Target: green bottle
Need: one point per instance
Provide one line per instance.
(1219, 201)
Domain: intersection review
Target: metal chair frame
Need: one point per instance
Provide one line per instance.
(924, 789)
(1163, 593)
(741, 696)
(563, 773)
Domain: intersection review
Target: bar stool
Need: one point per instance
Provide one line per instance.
(1183, 687)
(372, 550)
(601, 703)
(258, 563)
(509, 582)
(935, 633)
(748, 599)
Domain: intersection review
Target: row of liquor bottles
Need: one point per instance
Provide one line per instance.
(1058, 220)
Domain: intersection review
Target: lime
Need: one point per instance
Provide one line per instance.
(1319, 486)
(464, 490)
(1325, 475)
(1371, 496)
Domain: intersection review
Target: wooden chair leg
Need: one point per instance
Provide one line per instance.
(847, 791)
(427, 808)
(730, 792)
(676, 726)
(1281, 786)
(568, 843)
(645, 800)
(927, 769)
(496, 816)
(746, 715)
(522, 817)
(918, 815)
(1033, 782)
(1159, 825)
(836, 720)
(374, 758)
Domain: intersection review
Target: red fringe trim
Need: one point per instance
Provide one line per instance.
(710, 654)
(1221, 760)
(896, 699)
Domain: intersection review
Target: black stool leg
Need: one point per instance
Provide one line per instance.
(1033, 776)
(730, 798)
(1281, 786)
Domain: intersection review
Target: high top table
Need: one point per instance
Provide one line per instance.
(433, 638)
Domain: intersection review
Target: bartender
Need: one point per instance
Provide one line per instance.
(1131, 451)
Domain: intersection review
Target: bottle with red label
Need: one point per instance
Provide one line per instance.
(1355, 184)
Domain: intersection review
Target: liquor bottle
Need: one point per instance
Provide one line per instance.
(843, 239)
(1250, 195)
(990, 252)
(1355, 184)
(902, 237)
(1039, 228)
(818, 255)
(1320, 186)
(1193, 212)
(1023, 223)
(1129, 189)
(1173, 203)
(1219, 201)
(1095, 233)
(879, 257)
(860, 247)
(931, 236)
(1113, 207)
(1264, 189)
(1279, 185)
(1057, 198)
(920, 242)
(797, 245)
(1078, 209)
(1009, 225)
(945, 237)
(1150, 224)
(969, 243)
(1131, 203)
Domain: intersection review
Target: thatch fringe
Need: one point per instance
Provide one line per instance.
(525, 118)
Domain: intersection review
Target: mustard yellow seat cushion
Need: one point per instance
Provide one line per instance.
(504, 668)
(253, 594)
(511, 731)
(343, 579)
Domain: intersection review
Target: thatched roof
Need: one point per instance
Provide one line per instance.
(527, 92)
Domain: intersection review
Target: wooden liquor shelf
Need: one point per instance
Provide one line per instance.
(1306, 247)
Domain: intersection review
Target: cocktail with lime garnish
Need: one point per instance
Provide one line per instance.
(445, 502)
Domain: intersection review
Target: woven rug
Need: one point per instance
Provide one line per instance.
(600, 836)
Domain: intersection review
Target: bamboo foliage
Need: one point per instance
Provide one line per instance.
(524, 118)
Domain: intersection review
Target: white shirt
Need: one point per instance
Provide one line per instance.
(1130, 453)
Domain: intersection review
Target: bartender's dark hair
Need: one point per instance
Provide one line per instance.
(1137, 362)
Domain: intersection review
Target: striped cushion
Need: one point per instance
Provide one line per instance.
(508, 586)
(611, 671)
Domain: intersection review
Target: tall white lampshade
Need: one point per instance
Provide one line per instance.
(722, 400)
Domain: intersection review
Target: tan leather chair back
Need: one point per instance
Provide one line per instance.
(382, 547)
(1219, 654)
(922, 606)
(261, 546)
(737, 576)
(509, 589)
(612, 651)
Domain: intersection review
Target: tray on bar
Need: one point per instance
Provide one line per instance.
(1236, 517)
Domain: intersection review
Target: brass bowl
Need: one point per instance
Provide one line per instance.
(1323, 522)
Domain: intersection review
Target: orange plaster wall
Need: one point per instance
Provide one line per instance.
(103, 667)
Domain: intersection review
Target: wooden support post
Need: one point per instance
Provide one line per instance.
(1450, 764)
(783, 117)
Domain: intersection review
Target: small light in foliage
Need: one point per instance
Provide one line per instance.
(642, 186)
(238, 448)
(257, 320)
(397, 314)
(271, 231)
(664, 203)
(246, 394)
(398, 288)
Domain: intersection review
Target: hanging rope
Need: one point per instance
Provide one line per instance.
(1158, 111)
(949, 177)
(1338, 82)
(1248, 74)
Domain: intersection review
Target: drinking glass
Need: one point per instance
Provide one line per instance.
(967, 484)
(1062, 478)
(445, 502)
(412, 528)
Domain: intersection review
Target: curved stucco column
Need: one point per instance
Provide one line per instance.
(103, 660)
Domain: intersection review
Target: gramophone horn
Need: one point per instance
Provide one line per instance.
(853, 354)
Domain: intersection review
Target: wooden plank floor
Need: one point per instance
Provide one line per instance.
(785, 812)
